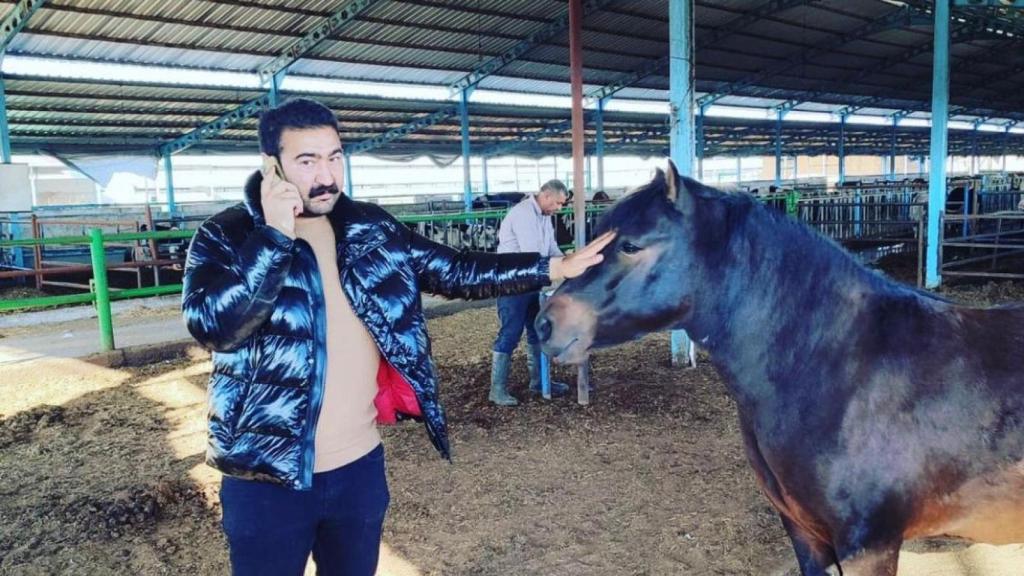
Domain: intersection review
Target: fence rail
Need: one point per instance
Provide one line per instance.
(891, 213)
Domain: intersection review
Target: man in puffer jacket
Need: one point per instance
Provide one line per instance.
(311, 304)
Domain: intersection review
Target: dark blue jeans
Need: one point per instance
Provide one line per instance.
(516, 313)
(271, 529)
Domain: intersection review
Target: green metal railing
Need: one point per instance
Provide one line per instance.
(101, 294)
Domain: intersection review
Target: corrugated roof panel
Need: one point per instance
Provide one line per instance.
(437, 41)
(375, 72)
(34, 44)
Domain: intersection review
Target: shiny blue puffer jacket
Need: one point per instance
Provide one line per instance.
(254, 297)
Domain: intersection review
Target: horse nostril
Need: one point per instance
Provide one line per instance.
(543, 326)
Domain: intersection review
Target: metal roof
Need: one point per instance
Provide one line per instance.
(817, 55)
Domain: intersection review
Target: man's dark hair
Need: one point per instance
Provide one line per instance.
(296, 114)
(554, 185)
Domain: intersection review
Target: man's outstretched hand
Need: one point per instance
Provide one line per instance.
(577, 263)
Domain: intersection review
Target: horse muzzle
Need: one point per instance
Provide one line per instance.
(566, 329)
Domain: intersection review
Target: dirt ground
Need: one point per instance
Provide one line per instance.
(101, 472)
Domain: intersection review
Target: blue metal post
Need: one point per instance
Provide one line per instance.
(599, 147)
(680, 18)
(778, 149)
(348, 175)
(5, 135)
(939, 143)
(545, 363)
(842, 149)
(892, 150)
(169, 175)
(699, 149)
(483, 160)
(275, 88)
(974, 149)
(1006, 141)
(467, 183)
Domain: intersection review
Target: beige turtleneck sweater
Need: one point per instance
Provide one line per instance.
(346, 429)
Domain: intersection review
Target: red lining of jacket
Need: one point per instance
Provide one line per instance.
(394, 395)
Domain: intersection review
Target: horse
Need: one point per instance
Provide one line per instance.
(871, 412)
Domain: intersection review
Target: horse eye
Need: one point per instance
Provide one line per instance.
(629, 248)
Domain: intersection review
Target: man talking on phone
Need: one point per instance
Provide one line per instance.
(310, 302)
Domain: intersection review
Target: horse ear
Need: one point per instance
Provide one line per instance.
(676, 190)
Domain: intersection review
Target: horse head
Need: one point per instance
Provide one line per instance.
(649, 276)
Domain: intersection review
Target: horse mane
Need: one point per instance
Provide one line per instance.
(743, 214)
(795, 231)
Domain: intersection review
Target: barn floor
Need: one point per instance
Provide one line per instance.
(101, 473)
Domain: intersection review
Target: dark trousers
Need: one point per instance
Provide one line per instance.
(271, 529)
(516, 313)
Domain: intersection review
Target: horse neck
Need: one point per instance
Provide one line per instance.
(782, 293)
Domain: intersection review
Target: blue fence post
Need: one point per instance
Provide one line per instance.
(599, 144)
(939, 143)
(467, 182)
(682, 136)
(842, 149)
(778, 148)
(5, 134)
(545, 363)
(169, 176)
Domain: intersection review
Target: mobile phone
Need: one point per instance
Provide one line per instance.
(275, 163)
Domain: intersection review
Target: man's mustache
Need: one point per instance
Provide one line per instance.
(321, 190)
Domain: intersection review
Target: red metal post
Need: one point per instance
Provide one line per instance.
(579, 191)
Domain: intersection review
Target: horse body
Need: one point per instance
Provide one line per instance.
(871, 412)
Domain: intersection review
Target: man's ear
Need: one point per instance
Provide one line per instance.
(676, 190)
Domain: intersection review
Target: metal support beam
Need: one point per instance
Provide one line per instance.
(471, 79)
(896, 118)
(211, 129)
(348, 174)
(528, 138)
(599, 129)
(549, 31)
(275, 88)
(778, 148)
(576, 14)
(1006, 140)
(16, 19)
(600, 95)
(841, 149)
(900, 17)
(974, 150)
(699, 149)
(769, 8)
(890, 172)
(962, 33)
(406, 129)
(299, 48)
(271, 75)
(5, 134)
(486, 184)
(169, 176)
(467, 182)
(939, 143)
(681, 104)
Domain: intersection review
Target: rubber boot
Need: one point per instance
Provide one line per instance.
(533, 363)
(499, 380)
